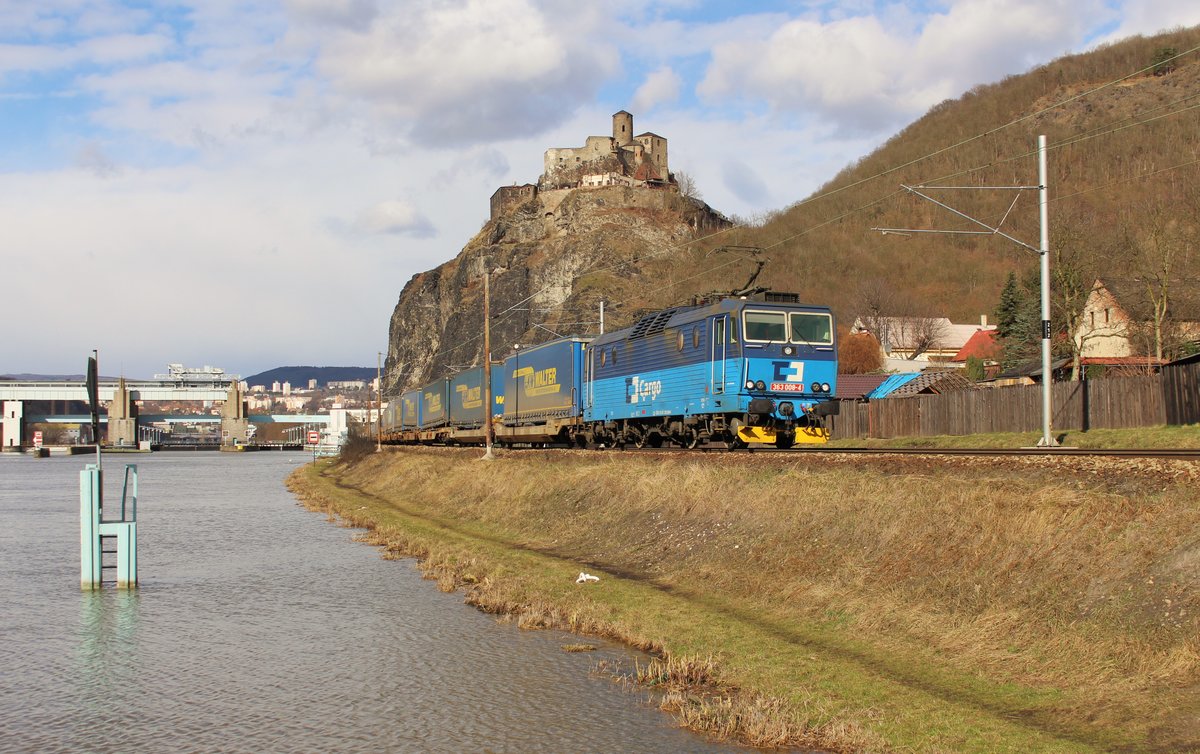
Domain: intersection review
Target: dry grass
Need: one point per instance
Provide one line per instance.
(864, 604)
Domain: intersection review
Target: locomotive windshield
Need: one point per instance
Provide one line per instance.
(813, 328)
(768, 326)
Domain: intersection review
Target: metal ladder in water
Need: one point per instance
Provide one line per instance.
(95, 532)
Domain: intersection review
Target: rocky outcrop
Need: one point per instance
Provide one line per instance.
(552, 260)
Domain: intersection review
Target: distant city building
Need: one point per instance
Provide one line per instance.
(258, 388)
(346, 384)
(276, 387)
(287, 388)
(243, 386)
(192, 375)
(312, 384)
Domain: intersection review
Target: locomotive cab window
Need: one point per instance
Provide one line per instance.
(765, 326)
(812, 328)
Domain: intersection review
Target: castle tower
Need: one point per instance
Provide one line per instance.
(622, 128)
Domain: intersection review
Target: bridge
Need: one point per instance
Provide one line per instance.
(139, 390)
(122, 419)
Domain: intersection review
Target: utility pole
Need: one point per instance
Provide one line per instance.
(488, 428)
(378, 401)
(1043, 251)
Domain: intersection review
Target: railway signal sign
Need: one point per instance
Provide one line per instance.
(37, 439)
(314, 437)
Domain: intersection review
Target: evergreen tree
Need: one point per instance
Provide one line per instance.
(1019, 319)
(1008, 310)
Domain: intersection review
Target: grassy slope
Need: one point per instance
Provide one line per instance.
(857, 605)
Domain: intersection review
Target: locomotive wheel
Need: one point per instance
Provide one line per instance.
(735, 442)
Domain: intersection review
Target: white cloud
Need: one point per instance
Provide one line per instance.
(395, 217)
(865, 75)
(660, 87)
(1151, 16)
(347, 14)
(92, 158)
(479, 70)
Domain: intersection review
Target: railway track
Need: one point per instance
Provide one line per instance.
(1176, 453)
(1192, 454)
(1185, 453)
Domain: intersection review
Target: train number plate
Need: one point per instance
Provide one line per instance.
(787, 387)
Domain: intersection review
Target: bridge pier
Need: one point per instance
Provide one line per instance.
(13, 424)
(235, 424)
(122, 418)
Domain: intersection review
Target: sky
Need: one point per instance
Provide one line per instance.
(250, 184)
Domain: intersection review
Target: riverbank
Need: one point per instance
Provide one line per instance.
(859, 604)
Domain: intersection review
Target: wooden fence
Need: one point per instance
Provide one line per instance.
(1172, 397)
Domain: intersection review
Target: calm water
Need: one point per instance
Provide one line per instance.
(259, 626)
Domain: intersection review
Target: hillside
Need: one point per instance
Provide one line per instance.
(300, 375)
(1121, 207)
(1103, 146)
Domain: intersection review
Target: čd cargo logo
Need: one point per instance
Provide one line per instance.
(470, 397)
(639, 390)
(789, 377)
(541, 382)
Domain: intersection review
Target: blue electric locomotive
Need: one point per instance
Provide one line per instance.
(760, 369)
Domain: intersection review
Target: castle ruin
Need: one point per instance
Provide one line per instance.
(618, 160)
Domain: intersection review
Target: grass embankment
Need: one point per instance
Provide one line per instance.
(858, 604)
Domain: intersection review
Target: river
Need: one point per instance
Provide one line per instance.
(261, 627)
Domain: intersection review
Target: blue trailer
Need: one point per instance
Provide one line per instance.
(467, 397)
(435, 405)
(543, 385)
(410, 410)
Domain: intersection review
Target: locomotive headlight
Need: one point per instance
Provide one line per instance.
(825, 387)
(788, 350)
(815, 387)
(749, 384)
(760, 385)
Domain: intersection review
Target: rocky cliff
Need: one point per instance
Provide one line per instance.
(552, 260)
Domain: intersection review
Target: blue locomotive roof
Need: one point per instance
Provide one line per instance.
(657, 321)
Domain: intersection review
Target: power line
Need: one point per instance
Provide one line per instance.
(1061, 103)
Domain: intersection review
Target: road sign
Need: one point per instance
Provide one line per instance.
(37, 438)
(314, 437)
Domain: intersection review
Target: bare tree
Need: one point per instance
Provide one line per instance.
(1075, 269)
(687, 185)
(917, 335)
(890, 316)
(1161, 249)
